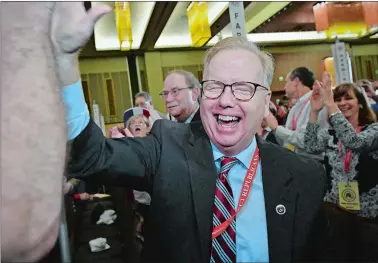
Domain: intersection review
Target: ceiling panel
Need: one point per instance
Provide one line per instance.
(267, 22)
(105, 32)
(298, 16)
(176, 32)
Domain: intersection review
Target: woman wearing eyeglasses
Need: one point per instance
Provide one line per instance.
(351, 162)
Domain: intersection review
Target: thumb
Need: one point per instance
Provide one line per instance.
(84, 29)
(97, 11)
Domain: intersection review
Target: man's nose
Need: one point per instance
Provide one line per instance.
(169, 98)
(227, 98)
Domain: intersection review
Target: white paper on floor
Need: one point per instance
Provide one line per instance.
(107, 217)
(98, 244)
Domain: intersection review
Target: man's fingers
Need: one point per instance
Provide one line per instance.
(73, 26)
(97, 11)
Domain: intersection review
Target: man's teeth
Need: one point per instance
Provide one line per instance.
(227, 118)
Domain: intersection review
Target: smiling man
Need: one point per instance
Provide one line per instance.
(180, 94)
(220, 194)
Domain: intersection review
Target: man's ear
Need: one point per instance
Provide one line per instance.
(195, 94)
(267, 102)
(297, 81)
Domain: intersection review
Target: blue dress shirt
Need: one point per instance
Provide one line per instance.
(251, 229)
(77, 114)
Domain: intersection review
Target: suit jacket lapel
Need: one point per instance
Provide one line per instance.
(199, 157)
(280, 201)
(197, 116)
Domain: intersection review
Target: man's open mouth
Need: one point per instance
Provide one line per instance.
(227, 121)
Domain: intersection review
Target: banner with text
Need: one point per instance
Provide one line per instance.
(237, 19)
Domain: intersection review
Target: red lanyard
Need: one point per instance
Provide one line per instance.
(348, 155)
(295, 119)
(248, 180)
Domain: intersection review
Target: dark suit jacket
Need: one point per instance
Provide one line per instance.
(197, 116)
(175, 164)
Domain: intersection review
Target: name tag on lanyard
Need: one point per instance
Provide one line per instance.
(349, 196)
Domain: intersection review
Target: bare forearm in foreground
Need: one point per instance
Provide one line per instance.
(33, 133)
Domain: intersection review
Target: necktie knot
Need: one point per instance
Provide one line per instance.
(228, 161)
(226, 164)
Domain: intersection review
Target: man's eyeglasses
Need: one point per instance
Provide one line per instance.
(243, 90)
(174, 92)
(141, 123)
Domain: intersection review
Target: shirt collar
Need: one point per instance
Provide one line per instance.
(244, 157)
(188, 120)
(304, 98)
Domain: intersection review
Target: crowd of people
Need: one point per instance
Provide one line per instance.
(226, 175)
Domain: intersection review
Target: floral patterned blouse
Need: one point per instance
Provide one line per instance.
(364, 160)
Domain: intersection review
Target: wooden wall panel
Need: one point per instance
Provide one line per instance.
(286, 62)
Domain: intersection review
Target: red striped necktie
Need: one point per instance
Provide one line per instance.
(224, 246)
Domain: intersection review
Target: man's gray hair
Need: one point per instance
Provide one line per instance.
(235, 43)
(190, 79)
(145, 95)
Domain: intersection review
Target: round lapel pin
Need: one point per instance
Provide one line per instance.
(280, 209)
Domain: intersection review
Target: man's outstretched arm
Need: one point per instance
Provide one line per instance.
(33, 133)
(33, 130)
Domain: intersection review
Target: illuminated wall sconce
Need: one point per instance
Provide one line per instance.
(123, 24)
(338, 19)
(199, 27)
(329, 65)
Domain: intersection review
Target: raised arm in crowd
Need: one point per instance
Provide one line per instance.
(34, 35)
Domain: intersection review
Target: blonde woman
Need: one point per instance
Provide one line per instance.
(138, 125)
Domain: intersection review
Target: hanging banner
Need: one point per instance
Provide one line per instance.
(198, 21)
(96, 114)
(342, 63)
(102, 123)
(123, 24)
(237, 19)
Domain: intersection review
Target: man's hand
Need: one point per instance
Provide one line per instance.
(271, 121)
(71, 28)
(369, 90)
(85, 196)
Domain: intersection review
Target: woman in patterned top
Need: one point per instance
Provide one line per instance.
(351, 160)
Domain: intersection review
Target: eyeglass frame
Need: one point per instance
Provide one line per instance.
(162, 95)
(230, 85)
(140, 123)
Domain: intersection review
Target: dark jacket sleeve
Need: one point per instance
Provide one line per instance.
(126, 162)
(271, 138)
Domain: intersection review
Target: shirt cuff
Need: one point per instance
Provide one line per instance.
(77, 114)
(280, 131)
